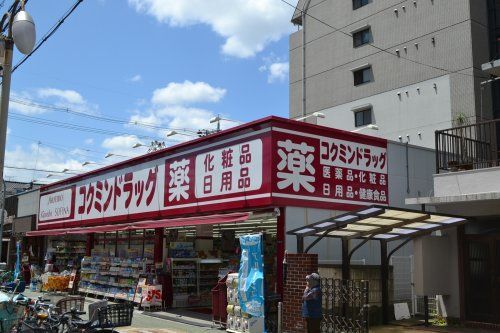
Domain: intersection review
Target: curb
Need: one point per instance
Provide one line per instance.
(182, 320)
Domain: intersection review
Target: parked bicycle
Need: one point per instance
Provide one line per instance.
(106, 320)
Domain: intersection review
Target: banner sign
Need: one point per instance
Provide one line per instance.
(268, 163)
(329, 169)
(251, 276)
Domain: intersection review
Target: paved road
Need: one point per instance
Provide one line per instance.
(144, 322)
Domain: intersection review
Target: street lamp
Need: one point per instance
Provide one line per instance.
(21, 32)
(314, 114)
(218, 118)
(154, 146)
(172, 133)
(117, 155)
(90, 163)
(65, 170)
(370, 126)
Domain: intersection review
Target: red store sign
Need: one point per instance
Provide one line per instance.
(270, 162)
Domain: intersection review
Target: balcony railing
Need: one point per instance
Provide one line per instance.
(468, 147)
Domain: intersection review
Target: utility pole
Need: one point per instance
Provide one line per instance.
(2, 218)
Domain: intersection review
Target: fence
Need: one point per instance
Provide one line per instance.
(468, 147)
(345, 306)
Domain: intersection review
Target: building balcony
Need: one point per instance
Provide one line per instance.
(467, 181)
(468, 147)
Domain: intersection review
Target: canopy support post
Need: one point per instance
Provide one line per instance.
(346, 258)
(158, 245)
(384, 281)
(300, 244)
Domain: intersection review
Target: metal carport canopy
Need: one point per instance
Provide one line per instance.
(378, 223)
(381, 223)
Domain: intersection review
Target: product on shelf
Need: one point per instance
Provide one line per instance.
(193, 279)
(238, 321)
(112, 276)
(208, 278)
(67, 253)
(55, 282)
(184, 281)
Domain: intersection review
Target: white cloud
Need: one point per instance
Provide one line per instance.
(43, 158)
(187, 93)
(28, 102)
(247, 26)
(278, 72)
(277, 68)
(67, 99)
(121, 145)
(136, 78)
(89, 141)
(69, 96)
(185, 117)
(148, 119)
(172, 108)
(20, 102)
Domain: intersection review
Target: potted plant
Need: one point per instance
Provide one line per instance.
(465, 161)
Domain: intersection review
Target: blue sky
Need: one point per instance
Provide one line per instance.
(171, 63)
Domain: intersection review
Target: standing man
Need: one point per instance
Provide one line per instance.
(312, 306)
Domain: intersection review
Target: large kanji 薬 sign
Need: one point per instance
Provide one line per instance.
(268, 163)
(329, 168)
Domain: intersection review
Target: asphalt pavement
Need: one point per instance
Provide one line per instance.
(148, 322)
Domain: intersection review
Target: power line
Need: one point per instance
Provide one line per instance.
(39, 170)
(71, 150)
(48, 143)
(11, 11)
(60, 124)
(35, 104)
(382, 49)
(347, 25)
(51, 31)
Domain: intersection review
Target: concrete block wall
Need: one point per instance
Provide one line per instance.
(299, 265)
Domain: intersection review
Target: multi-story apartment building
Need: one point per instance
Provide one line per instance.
(410, 67)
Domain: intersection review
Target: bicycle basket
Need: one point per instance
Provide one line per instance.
(10, 316)
(6, 325)
(115, 315)
(34, 328)
(66, 304)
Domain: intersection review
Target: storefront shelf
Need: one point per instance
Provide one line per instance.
(210, 261)
(107, 283)
(134, 275)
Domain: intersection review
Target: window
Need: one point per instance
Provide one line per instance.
(362, 37)
(363, 75)
(363, 117)
(359, 3)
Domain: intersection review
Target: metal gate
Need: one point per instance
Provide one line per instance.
(345, 306)
(402, 275)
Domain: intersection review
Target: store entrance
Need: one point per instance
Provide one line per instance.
(198, 256)
(482, 277)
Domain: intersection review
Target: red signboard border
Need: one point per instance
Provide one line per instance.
(254, 200)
